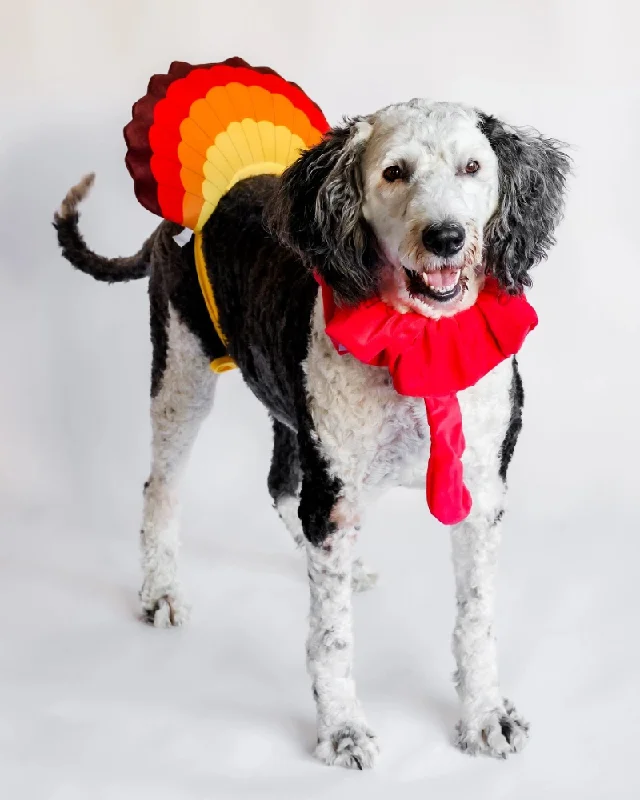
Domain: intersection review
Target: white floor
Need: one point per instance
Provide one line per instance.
(95, 704)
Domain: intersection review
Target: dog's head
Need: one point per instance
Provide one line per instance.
(418, 201)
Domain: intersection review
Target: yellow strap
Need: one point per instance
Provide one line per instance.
(224, 363)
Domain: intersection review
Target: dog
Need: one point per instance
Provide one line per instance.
(415, 204)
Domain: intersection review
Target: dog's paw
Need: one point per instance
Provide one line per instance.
(353, 746)
(362, 577)
(166, 611)
(498, 733)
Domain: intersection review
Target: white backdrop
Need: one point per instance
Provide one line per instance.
(92, 703)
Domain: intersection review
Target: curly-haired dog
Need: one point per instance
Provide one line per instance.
(416, 203)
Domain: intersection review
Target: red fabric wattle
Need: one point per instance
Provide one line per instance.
(435, 359)
(448, 498)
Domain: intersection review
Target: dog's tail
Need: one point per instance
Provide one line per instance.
(75, 250)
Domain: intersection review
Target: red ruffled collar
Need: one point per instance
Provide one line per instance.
(435, 359)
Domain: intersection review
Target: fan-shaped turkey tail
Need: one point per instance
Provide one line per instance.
(201, 129)
(75, 249)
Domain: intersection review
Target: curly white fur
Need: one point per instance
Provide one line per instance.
(343, 735)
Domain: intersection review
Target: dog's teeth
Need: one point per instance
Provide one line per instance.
(442, 281)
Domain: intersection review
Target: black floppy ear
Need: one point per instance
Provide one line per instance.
(532, 173)
(318, 212)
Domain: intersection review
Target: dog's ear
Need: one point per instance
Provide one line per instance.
(318, 212)
(532, 173)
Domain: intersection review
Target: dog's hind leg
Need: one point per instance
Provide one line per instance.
(284, 488)
(363, 577)
(182, 394)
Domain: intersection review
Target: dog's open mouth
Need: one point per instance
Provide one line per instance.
(441, 285)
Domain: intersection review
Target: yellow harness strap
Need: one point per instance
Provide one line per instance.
(224, 363)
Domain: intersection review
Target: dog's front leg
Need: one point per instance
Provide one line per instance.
(491, 411)
(343, 735)
(489, 723)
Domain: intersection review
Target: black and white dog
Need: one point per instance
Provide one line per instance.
(416, 203)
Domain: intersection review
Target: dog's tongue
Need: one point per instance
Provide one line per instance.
(441, 278)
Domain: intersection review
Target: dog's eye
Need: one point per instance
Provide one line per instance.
(472, 167)
(393, 173)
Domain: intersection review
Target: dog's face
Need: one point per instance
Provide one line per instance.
(430, 185)
(419, 201)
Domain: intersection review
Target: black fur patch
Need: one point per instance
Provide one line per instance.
(183, 290)
(516, 395)
(174, 278)
(110, 270)
(318, 213)
(532, 174)
(320, 490)
(159, 320)
(265, 296)
(284, 475)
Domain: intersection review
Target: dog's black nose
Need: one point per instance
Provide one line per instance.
(444, 238)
